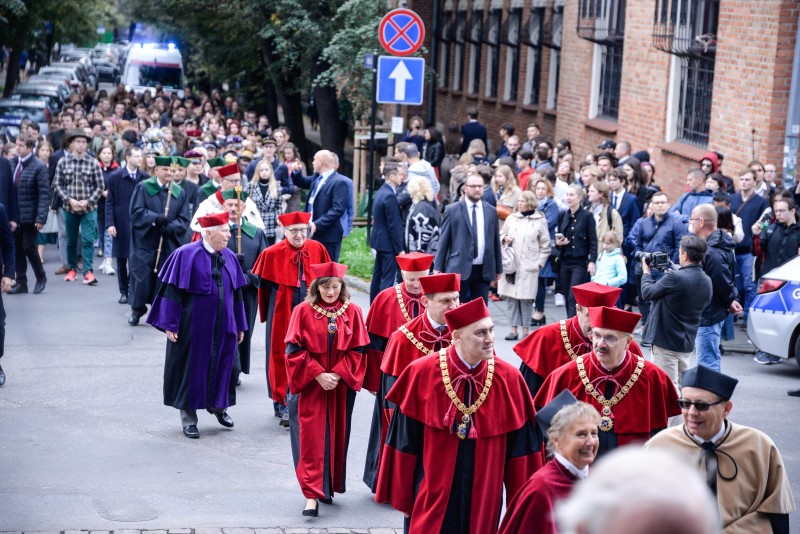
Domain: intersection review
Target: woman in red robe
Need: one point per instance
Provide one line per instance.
(574, 442)
(325, 367)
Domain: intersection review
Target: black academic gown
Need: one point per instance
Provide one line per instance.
(148, 202)
(253, 242)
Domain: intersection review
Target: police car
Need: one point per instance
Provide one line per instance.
(774, 322)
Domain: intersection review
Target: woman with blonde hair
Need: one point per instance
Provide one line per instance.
(605, 216)
(265, 190)
(477, 151)
(525, 232)
(505, 189)
(422, 224)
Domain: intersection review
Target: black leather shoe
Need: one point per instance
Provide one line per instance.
(539, 322)
(284, 422)
(223, 418)
(123, 299)
(312, 512)
(39, 287)
(329, 500)
(191, 432)
(3, 378)
(18, 289)
(792, 393)
(133, 320)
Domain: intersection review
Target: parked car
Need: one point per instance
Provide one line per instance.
(50, 94)
(773, 324)
(69, 74)
(53, 79)
(85, 70)
(107, 71)
(13, 112)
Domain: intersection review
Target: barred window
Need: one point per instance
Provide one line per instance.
(510, 38)
(553, 31)
(492, 38)
(532, 35)
(444, 39)
(475, 49)
(459, 40)
(603, 23)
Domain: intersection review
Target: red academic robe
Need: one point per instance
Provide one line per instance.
(533, 508)
(543, 351)
(311, 351)
(444, 483)
(400, 352)
(279, 266)
(384, 317)
(641, 413)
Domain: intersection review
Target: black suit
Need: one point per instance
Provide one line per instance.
(456, 249)
(8, 268)
(473, 130)
(118, 204)
(330, 203)
(386, 239)
(8, 196)
(33, 197)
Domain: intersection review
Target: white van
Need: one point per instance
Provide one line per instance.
(149, 65)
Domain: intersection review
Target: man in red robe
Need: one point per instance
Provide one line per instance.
(551, 346)
(464, 427)
(285, 273)
(393, 307)
(423, 335)
(634, 397)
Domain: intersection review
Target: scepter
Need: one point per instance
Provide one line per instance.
(161, 240)
(238, 190)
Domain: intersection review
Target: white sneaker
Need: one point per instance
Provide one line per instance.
(102, 267)
(108, 267)
(559, 299)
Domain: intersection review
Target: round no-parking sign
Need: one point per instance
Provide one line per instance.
(401, 32)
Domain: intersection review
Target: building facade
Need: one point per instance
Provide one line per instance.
(676, 78)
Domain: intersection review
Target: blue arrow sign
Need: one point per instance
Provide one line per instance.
(400, 80)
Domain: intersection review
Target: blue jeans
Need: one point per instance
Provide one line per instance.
(707, 345)
(85, 225)
(744, 280)
(727, 329)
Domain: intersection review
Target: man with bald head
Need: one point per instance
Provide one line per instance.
(718, 264)
(327, 200)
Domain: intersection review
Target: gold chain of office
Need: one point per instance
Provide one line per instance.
(417, 343)
(448, 387)
(402, 303)
(332, 316)
(565, 339)
(606, 423)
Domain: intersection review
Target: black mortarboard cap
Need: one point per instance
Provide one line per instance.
(545, 416)
(706, 378)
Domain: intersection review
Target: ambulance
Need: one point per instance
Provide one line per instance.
(151, 64)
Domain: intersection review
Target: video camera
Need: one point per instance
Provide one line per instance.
(655, 260)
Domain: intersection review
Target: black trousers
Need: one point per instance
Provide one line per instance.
(123, 279)
(25, 243)
(383, 273)
(573, 272)
(2, 326)
(474, 286)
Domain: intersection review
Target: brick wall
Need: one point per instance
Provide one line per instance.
(751, 88)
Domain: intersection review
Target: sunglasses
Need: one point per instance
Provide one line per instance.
(700, 406)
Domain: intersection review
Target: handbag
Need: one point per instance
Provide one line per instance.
(503, 212)
(509, 260)
(51, 225)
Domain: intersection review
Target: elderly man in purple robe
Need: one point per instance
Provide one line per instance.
(200, 307)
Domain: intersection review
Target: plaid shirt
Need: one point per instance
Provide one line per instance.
(79, 179)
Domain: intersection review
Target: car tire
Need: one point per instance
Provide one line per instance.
(797, 349)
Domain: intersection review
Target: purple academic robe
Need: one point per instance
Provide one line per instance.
(200, 298)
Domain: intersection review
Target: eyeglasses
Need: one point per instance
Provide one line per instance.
(695, 219)
(700, 406)
(297, 231)
(781, 211)
(473, 186)
(610, 340)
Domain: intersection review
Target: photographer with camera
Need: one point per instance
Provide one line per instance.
(661, 232)
(719, 264)
(677, 302)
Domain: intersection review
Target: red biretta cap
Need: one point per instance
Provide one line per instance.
(228, 170)
(295, 217)
(331, 268)
(613, 319)
(591, 295)
(216, 219)
(466, 314)
(415, 261)
(193, 133)
(439, 283)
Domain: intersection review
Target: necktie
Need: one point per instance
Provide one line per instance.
(474, 231)
(18, 174)
(710, 455)
(614, 199)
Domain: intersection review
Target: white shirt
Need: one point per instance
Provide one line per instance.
(325, 175)
(470, 367)
(481, 230)
(716, 437)
(434, 324)
(580, 473)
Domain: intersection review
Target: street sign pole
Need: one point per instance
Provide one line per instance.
(371, 144)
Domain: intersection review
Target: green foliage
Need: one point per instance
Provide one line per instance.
(357, 255)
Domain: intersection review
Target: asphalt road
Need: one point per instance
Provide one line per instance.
(87, 443)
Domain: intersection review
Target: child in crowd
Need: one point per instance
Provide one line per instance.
(611, 270)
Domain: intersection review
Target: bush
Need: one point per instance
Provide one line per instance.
(357, 255)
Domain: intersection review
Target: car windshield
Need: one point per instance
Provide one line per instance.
(11, 110)
(150, 76)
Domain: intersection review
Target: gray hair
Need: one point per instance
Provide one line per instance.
(668, 495)
(567, 415)
(409, 149)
